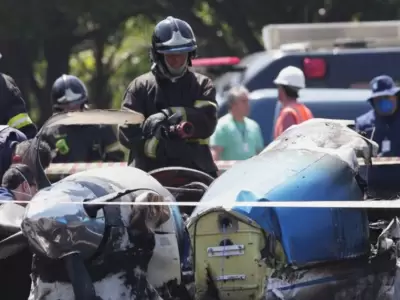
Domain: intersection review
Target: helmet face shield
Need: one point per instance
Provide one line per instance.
(178, 50)
(76, 106)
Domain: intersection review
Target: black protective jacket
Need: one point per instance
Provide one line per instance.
(12, 107)
(87, 143)
(193, 97)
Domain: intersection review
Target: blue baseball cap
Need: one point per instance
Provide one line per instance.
(383, 85)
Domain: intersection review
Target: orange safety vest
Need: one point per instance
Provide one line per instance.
(299, 111)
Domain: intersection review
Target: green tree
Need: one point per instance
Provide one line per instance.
(106, 43)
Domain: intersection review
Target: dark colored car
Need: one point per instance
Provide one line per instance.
(345, 104)
(340, 68)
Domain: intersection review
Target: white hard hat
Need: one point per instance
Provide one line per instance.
(291, 76)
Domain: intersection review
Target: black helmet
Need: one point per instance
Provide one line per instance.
(68, 90)
(172, 36)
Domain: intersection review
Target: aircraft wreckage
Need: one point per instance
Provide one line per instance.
(85, 248)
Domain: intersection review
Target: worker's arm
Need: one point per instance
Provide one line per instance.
(364, 127)
(13, 107)
(288, 119)
(130, 135)
(218, 142)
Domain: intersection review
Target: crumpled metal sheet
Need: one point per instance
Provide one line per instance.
(327, 136)
(345, 285)
(56, 223)
(375, 278)
(95, 117)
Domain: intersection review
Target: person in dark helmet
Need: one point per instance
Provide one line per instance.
(79, 143)
(12, 107)
(69, 93)
(170, 94)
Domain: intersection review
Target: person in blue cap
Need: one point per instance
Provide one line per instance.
(382, 125)
(382, 122)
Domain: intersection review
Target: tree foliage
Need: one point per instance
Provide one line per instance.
(106, 43)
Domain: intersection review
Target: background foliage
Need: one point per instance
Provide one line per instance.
(106, 42)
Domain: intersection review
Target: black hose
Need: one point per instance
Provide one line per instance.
(80, 278)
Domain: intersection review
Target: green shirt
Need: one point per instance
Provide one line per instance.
(239, 140)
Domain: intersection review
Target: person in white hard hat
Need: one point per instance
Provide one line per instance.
(289, 81)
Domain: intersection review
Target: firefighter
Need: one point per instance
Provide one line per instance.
(13, 109)
(76, 143)
(170, 94)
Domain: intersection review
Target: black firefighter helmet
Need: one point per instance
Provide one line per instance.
(172, 36)
(68, 93)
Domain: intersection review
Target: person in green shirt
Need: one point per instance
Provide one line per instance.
(236, 137)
